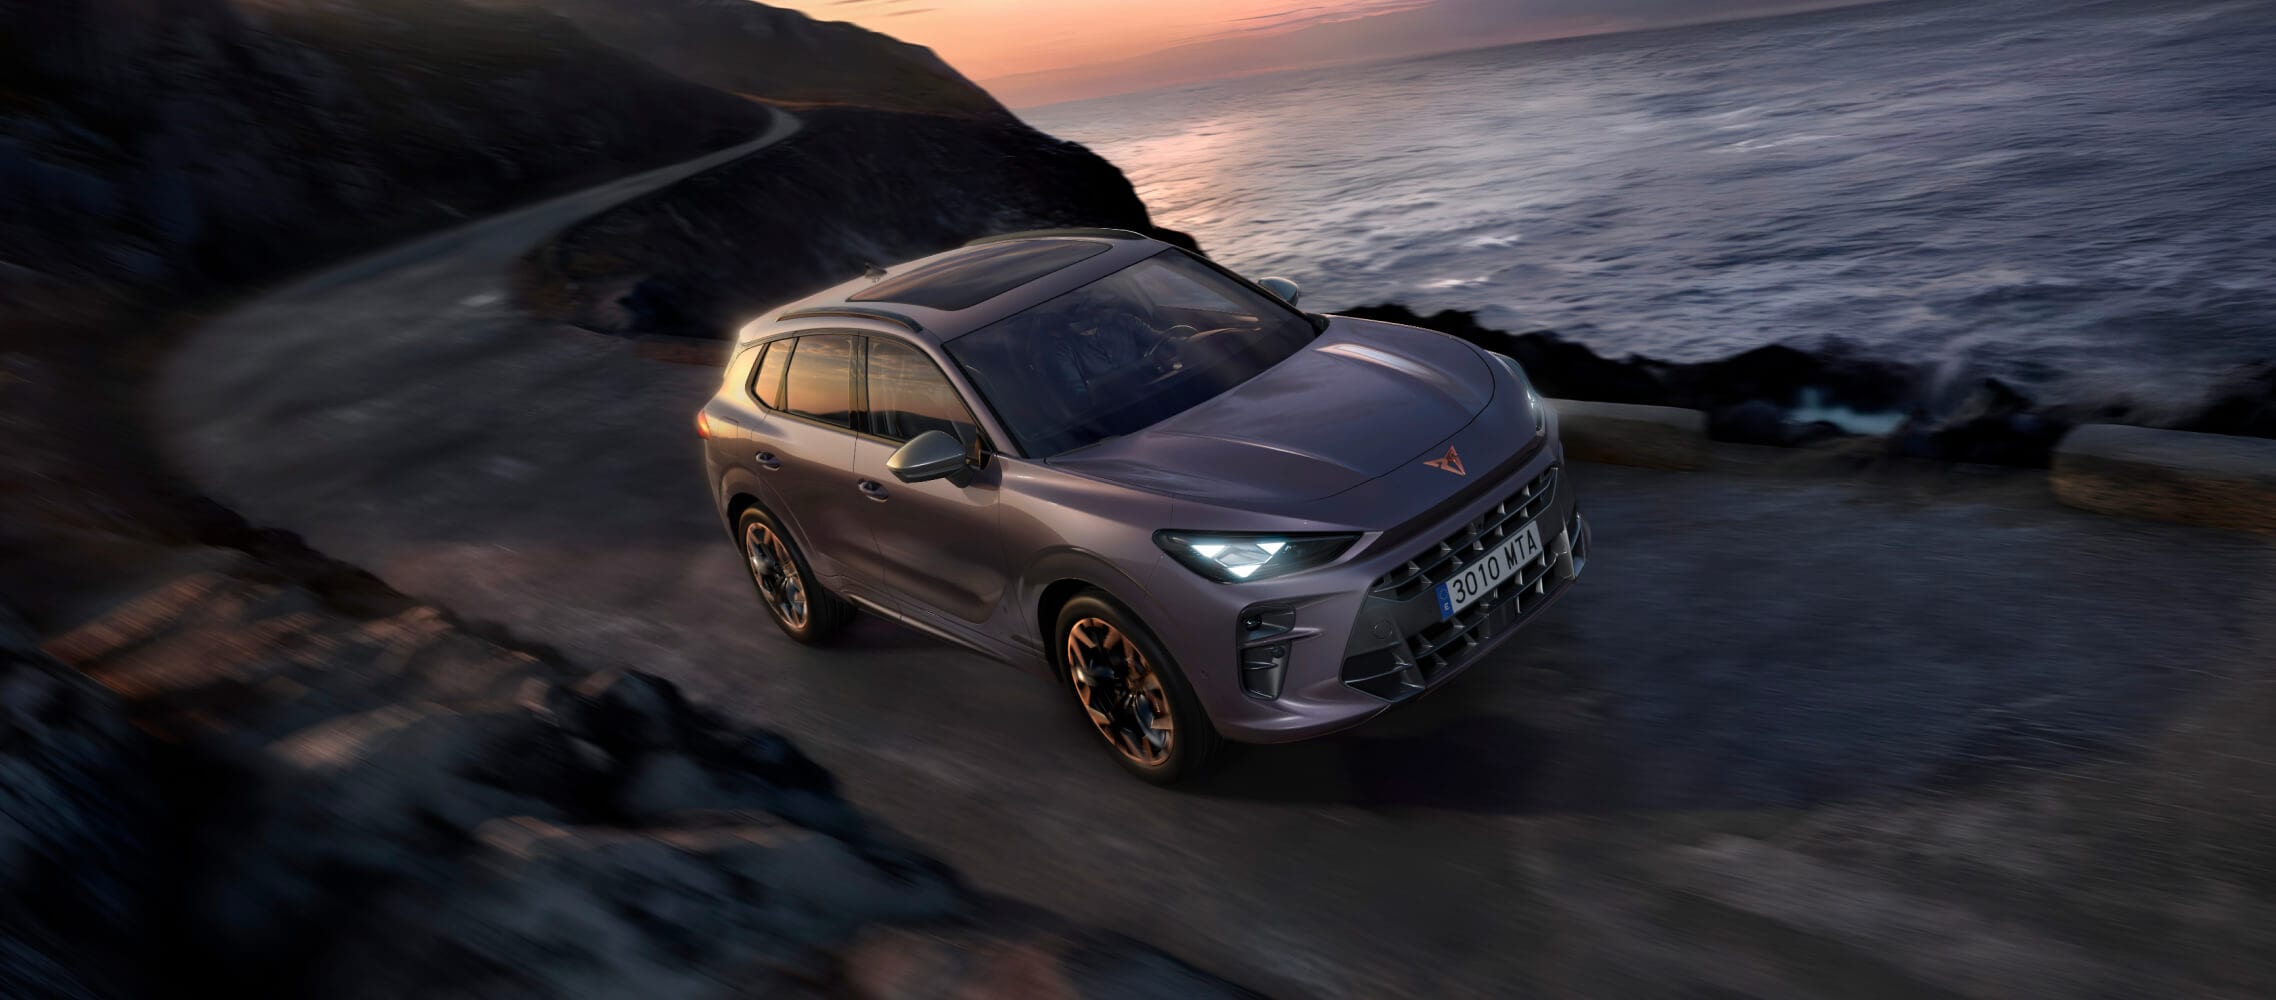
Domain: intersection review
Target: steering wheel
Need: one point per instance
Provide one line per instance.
(1198, 338)
(1175, 338)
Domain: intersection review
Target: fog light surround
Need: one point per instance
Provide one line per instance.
(1265, 636)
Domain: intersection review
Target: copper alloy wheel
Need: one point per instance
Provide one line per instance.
(1121, 691)
(776, 574)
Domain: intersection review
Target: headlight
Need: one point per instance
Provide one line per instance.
(1239, 556)
(1533, 400)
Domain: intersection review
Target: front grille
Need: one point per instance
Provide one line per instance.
(1429, 651)
(1470, 541)
(1443, 644)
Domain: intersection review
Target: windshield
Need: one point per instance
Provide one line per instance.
(1125, 352)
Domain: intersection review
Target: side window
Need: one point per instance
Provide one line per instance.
(908, 395)
(821, 379)
(766, 386)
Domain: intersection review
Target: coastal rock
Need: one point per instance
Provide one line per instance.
(1992, 425)
(1752, 397)
(2243, 403)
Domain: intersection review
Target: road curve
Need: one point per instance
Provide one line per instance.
(1596, 811)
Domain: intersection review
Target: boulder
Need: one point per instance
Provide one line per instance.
(2210, 479)
(1653, 437)
(745, 904)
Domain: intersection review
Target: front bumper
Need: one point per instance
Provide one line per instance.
(1362, 636)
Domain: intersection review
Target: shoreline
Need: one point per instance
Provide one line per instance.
(1787, 396)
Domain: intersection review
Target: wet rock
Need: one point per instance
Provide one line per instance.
(1993, 425)
(2243, 403)
(1776, 374)
(1748, 397)
(1751, 422)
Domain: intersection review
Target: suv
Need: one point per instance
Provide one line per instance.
(1210, 515)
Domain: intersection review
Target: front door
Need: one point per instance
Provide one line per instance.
(939, 547)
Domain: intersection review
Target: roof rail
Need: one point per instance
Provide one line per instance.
(853, 312)
(1101, 234)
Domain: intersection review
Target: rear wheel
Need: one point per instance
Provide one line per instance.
(1132, 692)
(804, 610)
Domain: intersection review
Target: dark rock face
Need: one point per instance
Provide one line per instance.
(352, 833)
(779, 55)
(853, 187)
(494, 837)
(2245, 403)
(161, 145)
(1776, 375)
(82, 832)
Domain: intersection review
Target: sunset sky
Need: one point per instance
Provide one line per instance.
(1031, 52)
(995, 38)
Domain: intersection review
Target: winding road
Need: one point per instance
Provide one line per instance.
(1758, 751)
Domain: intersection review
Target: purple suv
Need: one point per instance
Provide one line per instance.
(1209, 514)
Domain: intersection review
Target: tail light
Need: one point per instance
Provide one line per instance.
(703, 425)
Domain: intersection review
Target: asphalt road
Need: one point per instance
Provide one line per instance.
(1785, 739)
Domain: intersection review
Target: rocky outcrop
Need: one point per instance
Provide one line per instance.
(1779, 395)
(779, 55)
(1754, 397)
(166, 146)
(391, 806)
(853, 187)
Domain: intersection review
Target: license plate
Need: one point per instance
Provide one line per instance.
(1483, 574)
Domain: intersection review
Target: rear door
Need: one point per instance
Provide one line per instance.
(939, 548)
(804, 447)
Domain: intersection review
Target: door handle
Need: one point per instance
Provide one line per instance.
(873, 489)
(767, 460)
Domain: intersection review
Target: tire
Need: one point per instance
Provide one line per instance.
(1093, 627)
(801, 607)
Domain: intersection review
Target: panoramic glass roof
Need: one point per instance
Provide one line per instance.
(969, 279)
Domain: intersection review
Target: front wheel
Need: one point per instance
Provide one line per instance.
(786, 584)
(1133, 693)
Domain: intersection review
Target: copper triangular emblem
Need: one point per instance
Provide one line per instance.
(1452, 462)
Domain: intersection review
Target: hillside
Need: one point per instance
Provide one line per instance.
(779, 55)
(232, 761)
(854, 186)
(176, 145)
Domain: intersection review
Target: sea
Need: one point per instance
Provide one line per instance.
(2078, 198)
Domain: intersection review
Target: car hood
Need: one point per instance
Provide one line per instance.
(1361, 400)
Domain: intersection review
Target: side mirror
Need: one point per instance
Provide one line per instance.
(929, 456)
(1282, 287)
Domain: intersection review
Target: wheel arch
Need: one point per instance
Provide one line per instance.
(1060, 575)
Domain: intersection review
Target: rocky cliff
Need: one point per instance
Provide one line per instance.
(854, 186)
(779, 55)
